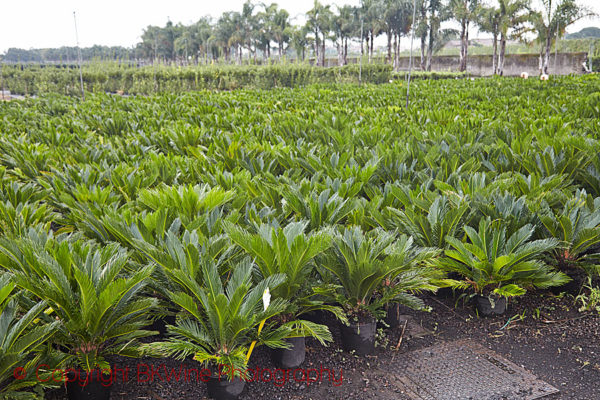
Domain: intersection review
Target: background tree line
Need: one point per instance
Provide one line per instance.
(261, 32)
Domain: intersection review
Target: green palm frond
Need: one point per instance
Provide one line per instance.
(506, 265)
(219, 321)
(98, 305)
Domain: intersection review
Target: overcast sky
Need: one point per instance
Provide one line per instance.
(49, 23)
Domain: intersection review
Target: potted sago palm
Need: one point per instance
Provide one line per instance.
(290, 251)
(23, 334)
(496, 267)
(363, 264)
(98, 306)
(220, 324)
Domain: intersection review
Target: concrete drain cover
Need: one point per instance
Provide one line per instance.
(463, 370)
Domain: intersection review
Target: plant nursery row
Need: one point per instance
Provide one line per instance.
(203, 225)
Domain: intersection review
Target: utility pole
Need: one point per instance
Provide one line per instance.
(410, 60)
(79, 57)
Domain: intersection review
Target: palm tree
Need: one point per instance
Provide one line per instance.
(343, 24)
(513, 17)
(291, 252)
(398, 19)
(465, 12)
(428, 222)
(553, 18)
(376, 268)
(577, 226)
(204, 31)
(491, 263)
(299, 41)
(319, 22)
(489, 21)
(371, 12)
(432, 14)
(280, 22)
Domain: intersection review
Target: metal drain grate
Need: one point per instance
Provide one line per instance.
(463, 370)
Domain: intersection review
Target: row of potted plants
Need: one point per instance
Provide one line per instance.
(89, 302)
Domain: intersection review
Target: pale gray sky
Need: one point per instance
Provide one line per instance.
(49, 23)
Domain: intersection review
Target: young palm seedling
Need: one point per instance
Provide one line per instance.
(577, 227)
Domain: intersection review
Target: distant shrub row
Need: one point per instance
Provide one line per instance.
(35, 80)
(145, 80)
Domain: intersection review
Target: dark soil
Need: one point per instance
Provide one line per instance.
(542, 333)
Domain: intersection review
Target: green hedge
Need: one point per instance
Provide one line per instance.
(37, 80)
(430, 75)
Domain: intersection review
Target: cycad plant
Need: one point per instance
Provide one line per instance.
(375, 268)
(430, 222)
(321, 209)
(490, 262)
(220, 322)
(577, 227)
(22, 335)
(290, 251)
(99, 307)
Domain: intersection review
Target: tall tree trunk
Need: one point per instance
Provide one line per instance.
(547, 53)
(323, 51)
(464, 46)
(340, 52)
(317, 59)
(395, 61)
(371, 49)
(423, 49)
(423, 35)
(502, 53)
(495, 56)
(389, 46)
(430, 48)
(345, 51)
(464, 43)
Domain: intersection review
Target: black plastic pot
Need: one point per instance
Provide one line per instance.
(160, 324)
(485, 307)
(359, 337)
(447, 292)
(317, 316)
(290, 358)
(578, 279)
(392, 318)
(220, 388)
(91, 385)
